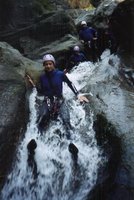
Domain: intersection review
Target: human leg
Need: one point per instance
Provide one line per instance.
(44, 116)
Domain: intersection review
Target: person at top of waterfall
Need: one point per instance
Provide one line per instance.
(51, 86)
(76, 58)
(88, 37)
(87, 34)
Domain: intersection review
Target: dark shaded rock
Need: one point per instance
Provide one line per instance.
(53, 27)
(122, 24)
(16, 14)
(119, 18)
(49, 27)
(6, 14)
(95, 3)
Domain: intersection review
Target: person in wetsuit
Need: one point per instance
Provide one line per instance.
(88, 37)
(51, 86)
(76, 58)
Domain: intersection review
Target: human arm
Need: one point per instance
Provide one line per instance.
(30, 80)
(81, 98)
(70, 84)
(37, 86)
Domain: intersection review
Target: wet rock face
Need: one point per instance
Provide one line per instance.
(12, 115)
(110, 145)
(115, 100)
(18, 64)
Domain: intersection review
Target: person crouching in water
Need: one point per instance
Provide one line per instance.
(76, 58)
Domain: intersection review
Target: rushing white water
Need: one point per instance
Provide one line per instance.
(58, 178)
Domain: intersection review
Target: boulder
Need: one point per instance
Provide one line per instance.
(12, 57)
(122, 20)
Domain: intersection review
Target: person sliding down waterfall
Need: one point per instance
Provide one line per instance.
(51, 86)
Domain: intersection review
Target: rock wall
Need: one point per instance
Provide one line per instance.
(12, 116)
(119, 17)
(122, 23)
(13, 113)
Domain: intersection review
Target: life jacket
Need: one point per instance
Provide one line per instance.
(51, 83)
(77, 58)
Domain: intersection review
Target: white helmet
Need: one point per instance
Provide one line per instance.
(48, 57)
(76, 48)
(83, 23)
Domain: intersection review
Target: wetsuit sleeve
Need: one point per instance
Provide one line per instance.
(69, 83)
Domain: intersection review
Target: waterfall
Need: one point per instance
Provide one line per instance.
(57, 176)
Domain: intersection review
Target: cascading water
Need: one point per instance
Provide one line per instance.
(57, 176)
